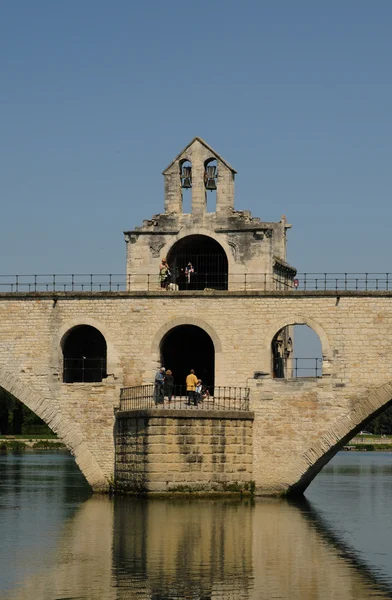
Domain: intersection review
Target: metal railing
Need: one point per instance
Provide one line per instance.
(343, 281)
(211, 398)
(84, 370)
(295, 368)
(63, 283)
(233, 282)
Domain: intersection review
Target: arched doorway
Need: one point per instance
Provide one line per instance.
(208, 259)
(188, 347)
(84, 352)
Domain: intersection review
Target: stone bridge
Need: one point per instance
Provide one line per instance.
(298, 424)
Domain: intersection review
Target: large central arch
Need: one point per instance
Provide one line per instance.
(219, 374)
(187, 347)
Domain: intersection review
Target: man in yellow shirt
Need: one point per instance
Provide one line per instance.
(191, 381)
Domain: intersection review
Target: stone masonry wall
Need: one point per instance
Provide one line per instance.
(159, 451)
(296, 423)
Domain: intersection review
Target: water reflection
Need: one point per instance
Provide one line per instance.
(183, 549)
(126, 549)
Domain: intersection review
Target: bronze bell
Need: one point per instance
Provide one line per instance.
(210, 184)
(210, 176)
(186, 177)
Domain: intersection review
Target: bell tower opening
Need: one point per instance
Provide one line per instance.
(210, 182)
(186, 185)
(198, 262)
(188, 347)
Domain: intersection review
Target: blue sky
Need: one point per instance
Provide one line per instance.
(97, 97)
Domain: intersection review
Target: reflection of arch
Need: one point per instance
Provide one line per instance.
(84, 353)
(208, 259)
(67, 431)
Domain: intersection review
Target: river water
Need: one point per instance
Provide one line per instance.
(59, 542)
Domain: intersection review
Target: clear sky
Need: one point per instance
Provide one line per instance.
(97, 97)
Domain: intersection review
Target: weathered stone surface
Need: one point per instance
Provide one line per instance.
(298, 425)
(178, 461)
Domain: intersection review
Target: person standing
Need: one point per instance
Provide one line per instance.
(198, 390)
(164, 274)
(191, 381)
(189, 271)
(169, 385)
(159, 383)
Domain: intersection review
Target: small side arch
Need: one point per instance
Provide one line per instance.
(283, 322)
(67, 431)
(112, 358)
(84, 355)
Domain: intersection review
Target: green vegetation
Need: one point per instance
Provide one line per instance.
(13, 446)
(381, 424)
(370, 447)
(42, 445)
(16, 419)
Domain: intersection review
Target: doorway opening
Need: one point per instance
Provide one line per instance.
(198, 262)
(188, 347)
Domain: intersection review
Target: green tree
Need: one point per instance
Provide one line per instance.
(4, 411)
(17, 419)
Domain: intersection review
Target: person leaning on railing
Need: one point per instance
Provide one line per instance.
(159, 386)
(169, 385)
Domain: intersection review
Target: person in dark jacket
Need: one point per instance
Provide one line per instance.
(169, 385)
(159, 386)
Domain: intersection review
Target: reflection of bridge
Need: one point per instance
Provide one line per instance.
(69, 343)
(133, 549)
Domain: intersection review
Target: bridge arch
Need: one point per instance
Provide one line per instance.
(208, 260)
(193, 321)
(66, 431)
(84, 355)
(111, 353)
(201, 231)
(365, 407)
(295, 319)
